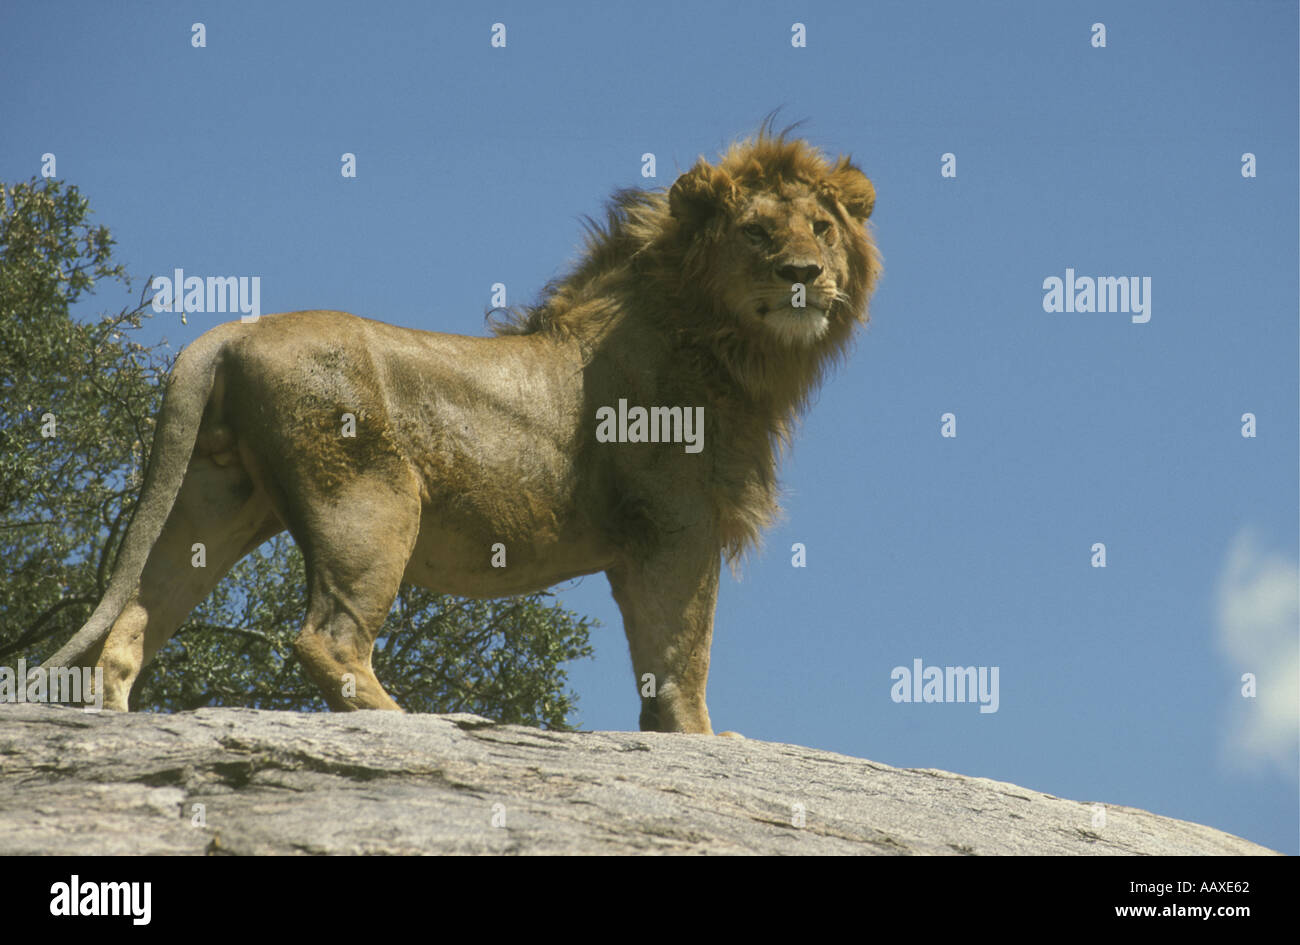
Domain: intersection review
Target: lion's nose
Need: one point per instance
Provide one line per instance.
(794, 272)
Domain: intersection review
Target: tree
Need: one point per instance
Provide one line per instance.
(77, 402)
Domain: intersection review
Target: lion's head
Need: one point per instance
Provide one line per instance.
(715, 259)
(778, 237)
(693, 292)
(772, 224)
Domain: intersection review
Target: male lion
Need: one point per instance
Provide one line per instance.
(730, 291)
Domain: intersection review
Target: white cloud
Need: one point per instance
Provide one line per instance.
(1258, 624)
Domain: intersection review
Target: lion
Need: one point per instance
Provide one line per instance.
(392, 454)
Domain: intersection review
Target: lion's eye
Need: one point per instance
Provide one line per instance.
(755, 232)
(821, 226)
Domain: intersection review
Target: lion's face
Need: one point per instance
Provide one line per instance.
(778, 236)
(786, 262)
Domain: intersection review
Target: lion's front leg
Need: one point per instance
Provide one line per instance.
(667, 602)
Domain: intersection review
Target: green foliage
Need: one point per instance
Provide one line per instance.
(65, 501)
(63, 497)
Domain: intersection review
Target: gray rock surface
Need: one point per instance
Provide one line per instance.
(376, 782)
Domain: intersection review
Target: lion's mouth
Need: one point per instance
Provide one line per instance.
(811, 311)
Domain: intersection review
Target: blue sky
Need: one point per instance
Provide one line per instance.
(475, 164)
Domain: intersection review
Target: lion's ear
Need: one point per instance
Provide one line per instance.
(853, 189)
(699, 194)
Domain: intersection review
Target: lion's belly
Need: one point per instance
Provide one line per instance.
(491, 531)
(448, 560)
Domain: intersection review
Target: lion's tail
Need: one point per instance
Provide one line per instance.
(186, 396)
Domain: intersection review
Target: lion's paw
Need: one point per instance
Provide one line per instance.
(730, 735)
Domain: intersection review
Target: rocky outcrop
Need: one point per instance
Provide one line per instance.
(243, 781)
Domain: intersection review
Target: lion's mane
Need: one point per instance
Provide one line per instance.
(645, 286)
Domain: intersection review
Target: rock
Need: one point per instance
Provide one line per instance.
(245, 781)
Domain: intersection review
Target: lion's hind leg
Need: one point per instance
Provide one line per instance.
(356, 553)
(217, 519)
